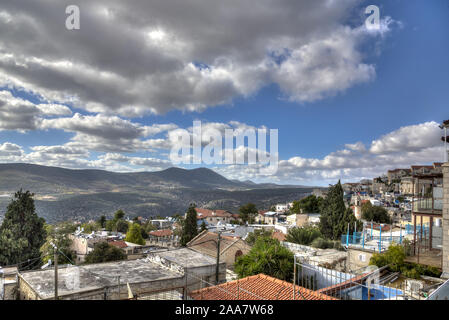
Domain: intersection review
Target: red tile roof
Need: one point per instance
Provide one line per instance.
(119, 244)
(258, 287)
(161, 233)
(204, 213)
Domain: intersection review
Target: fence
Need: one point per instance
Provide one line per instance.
(374, 285)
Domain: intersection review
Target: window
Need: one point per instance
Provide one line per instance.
(238, 253)
(362, 257)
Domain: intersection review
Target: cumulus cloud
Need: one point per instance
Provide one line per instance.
(409, 145)
(354, 162)
(137, 57)
(409, 138)
(18, 114)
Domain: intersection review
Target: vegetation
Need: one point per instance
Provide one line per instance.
(102, 221)
(22, 232)
(375, 213)
(248, 212)
(118, 223)
(267, 256)
(203, 226)
(310, 204)
(257, 234)
(394, 258)
(104, 252)
(59, 236)
(190, 226)
(134, 235)
(335, 217)
(304, 236)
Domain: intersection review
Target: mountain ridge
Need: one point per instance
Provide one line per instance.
(65, 194)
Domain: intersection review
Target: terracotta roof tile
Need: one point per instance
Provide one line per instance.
(258, 287)
(119, 244)
(161, 233)
(204, 213)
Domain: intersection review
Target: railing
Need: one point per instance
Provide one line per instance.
(427, 204)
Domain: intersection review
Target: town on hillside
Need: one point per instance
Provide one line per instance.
(385, 238)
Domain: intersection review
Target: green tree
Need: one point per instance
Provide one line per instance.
(269, 257)
(22, 232)
(310, 204)
(248, 212)
(121, 226)
(102, 221)
(304, 236)
(58, 236)
(119, 214)
(257, 234)
(375, 213)
(190, 226)
(203, 226)
(134, 235)
(104, 252)
(335, 217)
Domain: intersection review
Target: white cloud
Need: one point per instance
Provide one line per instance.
(136, 57)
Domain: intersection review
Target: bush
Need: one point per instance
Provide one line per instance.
(305, 235)
(269, 257)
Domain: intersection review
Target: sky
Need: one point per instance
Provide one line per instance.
(348, 102)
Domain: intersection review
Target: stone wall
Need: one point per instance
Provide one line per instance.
(446, 221)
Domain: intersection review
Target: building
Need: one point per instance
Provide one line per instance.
(213, 217)
(396, 175)
(266, 217)
(82, 244)
(176, 271)
(298, 219)
(230, 247)
(161, 223)
(445, 244)
(258, 287)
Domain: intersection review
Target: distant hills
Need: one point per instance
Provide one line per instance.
(66, 194)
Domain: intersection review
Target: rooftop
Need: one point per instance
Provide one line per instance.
(161, 233)
(258, 287)
(185, 257)
(207, 242)
(96, 276)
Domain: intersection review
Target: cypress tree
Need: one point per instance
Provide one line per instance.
(190, 226)
(335, 216)
(22, 232)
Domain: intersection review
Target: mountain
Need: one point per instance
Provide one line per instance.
(67, 194)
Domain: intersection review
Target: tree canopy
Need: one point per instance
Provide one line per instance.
(257, 234)
(267, 256)
(22, 232)
(304, 235)
(375, 213)
(310, 204)
(248, 212)
(134, 235)
(59, 236)
(104, 252)
(335, 217)
(190, 226)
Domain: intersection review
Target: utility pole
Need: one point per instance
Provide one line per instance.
(218, 258)
(56, 268)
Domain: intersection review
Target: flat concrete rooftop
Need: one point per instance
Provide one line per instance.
(185, 257)
(76, 279)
